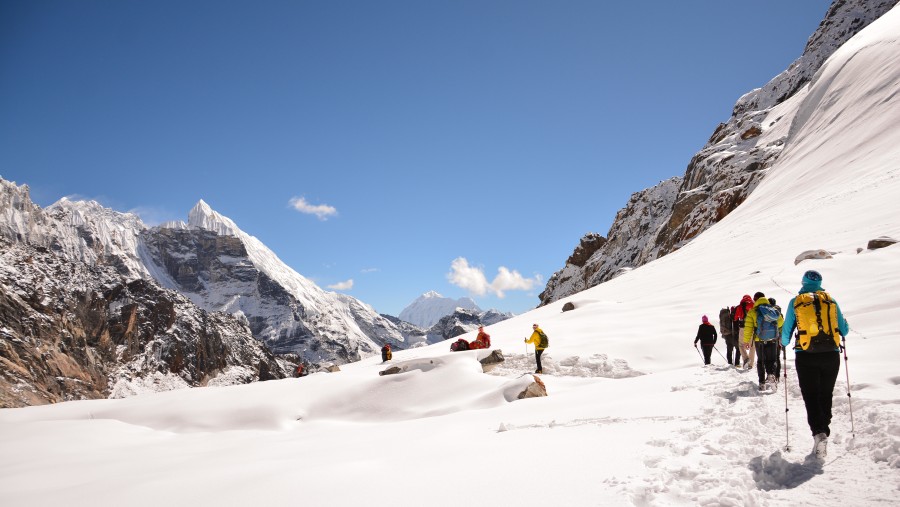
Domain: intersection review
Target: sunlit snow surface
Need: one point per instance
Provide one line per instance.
(631, 419)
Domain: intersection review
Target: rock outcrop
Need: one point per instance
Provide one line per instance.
(738, 154)
(72, 331)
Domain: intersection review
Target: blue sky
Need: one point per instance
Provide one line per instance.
(391, 143)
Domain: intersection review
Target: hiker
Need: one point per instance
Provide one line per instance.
(540, 341)
(778, 342)
(740, 313)
(300, 371)
(482, 341)
(761, 331)
(706, 335)
(726, 329)
(386, 354)
(817, 360)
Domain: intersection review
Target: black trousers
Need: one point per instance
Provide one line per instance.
(707, 353)
(766, 360)
(537, 357)
(817, 374)
(732, 345)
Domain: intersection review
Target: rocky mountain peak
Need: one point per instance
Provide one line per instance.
(202, 216)
(737, 156)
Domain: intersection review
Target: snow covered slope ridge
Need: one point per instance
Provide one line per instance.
(631, 416)
(283, 309)
(661, 219)
(428, 309)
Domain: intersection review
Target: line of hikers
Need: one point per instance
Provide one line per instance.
(756, 327)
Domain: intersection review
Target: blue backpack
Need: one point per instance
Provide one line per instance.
(767, 322)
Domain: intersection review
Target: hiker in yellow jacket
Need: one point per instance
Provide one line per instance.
(538, 348)
(761, 334)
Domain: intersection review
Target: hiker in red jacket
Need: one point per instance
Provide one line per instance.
(707, 336)
(482, 341)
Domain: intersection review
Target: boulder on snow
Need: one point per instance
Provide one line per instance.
(883, 241)
(391, 371)
(333, 368)
(568, 306)
(534, 390)
(813, 254)
(491, 361)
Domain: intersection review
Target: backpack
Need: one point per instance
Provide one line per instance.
(459, 345)
(725, 322)
(817, 325)
(543, 342)
(767, 322)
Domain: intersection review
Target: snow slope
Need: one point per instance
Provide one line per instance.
(631, 419)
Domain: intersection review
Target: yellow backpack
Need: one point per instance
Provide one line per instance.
(817, 324)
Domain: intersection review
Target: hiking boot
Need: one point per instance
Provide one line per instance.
(771, 379)
(762, 386)
(820, 445)
(539, 371)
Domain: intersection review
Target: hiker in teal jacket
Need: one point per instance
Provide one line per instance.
(817, 361)
(766, 351)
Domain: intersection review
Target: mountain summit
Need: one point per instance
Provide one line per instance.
(430, 307)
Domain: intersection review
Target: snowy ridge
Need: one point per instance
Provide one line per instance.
(311, 295)
(430, 307)
(737, 157)
(284, 309)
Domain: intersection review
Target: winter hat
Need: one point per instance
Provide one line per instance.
(812, 281)
(705, 319)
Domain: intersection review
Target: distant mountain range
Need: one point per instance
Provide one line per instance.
(430, 307)
(206, 267)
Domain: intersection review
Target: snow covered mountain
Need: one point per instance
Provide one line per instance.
(71, 330)
(463, 321)
(222, 268)
(211, 261)
(430, 307)
(662, 219)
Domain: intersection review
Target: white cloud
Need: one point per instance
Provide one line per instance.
(473, 280)
(347, 285)
(321, 211)
(369, 270)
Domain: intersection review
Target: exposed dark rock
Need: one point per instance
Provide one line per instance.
(750, 133)
(568, 307)
(881, 242)
(535, 389)
(72, 331)
(589, 244)
(491, 361)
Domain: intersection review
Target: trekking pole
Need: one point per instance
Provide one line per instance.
(849, 398)
(701, 354)
(787, 435)
(717, 350)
